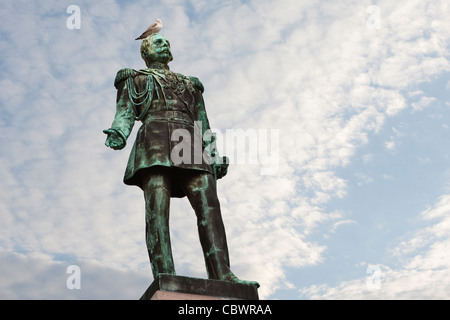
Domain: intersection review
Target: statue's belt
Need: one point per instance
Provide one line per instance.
(172, 115)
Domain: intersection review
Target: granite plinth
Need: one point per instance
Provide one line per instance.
(171, 287)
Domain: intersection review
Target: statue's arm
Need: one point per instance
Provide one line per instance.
(220, 164)
(125, 114)
(201, 110)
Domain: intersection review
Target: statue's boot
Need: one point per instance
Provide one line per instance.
(215, 250)
(159, 250)
(202, 195)
(217, 265)
(157, 203)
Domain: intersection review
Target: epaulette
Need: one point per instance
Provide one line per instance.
(123, 74)
(197, 83)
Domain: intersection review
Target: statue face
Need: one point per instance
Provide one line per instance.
(159, 49)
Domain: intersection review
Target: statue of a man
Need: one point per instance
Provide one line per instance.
(168, 103)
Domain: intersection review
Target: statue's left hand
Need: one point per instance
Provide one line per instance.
(221, 168)
(114, 140)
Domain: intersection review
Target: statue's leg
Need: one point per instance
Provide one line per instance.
(157, 202)
(201, 192)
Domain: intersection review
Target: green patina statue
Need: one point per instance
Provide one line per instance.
(171, 106)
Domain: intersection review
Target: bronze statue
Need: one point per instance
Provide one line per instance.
(167, 102)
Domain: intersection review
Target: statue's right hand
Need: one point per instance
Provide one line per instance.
(114, 139)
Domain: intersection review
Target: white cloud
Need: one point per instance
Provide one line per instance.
(39, 277)
(390, 145)
(423, 103)
(422, 270)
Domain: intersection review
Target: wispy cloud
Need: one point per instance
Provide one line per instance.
(421, 269)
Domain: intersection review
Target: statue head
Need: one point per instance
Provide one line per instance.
(156, 48)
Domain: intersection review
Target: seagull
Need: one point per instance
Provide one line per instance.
(154, 28)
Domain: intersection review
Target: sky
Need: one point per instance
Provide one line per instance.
(345, 196)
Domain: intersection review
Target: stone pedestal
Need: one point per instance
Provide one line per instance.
(170, 287)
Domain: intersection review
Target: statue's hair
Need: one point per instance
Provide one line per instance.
(145, 46)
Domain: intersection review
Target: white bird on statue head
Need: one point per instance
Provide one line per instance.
(154, 28)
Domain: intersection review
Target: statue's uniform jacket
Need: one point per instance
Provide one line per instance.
(163, 101)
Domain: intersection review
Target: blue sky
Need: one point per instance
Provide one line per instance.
(357, 92)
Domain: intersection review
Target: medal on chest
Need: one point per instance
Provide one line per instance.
(175, 82)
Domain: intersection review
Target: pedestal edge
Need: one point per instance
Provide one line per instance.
(203, 287)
